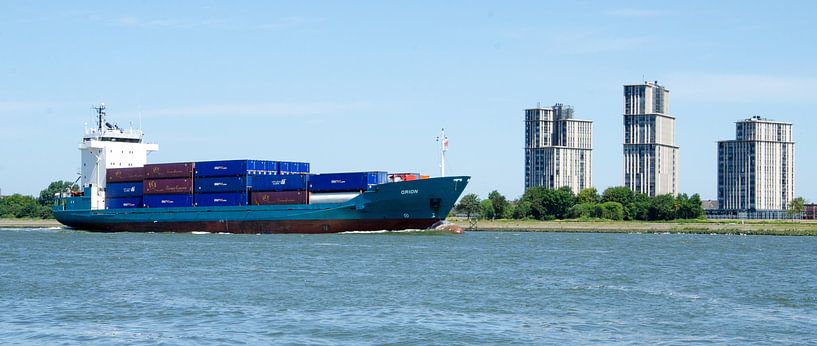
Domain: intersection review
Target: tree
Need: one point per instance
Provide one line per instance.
(688, 207)
(796, 207)
(682, 204)
(469, 204)
(548, 204)
(18, 206)
(663, 208)
(696, 207)
(620, 194)
(610, 211)
(522, 210)
(509, 211)
(557, 203)
(534, 198)
(499, 203)
(588, 195)
(635, 204)
(583, 210)
(639, 209)
(47, 195)
(487, 209)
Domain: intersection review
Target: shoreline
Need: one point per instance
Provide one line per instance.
(732, 227)
(29, 223)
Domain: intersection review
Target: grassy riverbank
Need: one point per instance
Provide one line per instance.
(754, 227)
(29, 223)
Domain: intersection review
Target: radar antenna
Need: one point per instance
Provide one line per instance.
(100, 112)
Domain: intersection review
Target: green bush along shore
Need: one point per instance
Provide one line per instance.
(617, 209)
(20, 206)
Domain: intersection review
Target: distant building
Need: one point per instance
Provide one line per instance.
(756, 169)
(709, 204)
(650, 152)
(810, 211)
(558, 148)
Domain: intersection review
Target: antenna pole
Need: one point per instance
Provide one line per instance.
(100, 111)
(443, 148)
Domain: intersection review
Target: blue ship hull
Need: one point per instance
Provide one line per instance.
(416, 204)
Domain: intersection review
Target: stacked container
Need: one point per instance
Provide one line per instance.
(169, 185)
(236, 183)
(344, 182)
(228, 183)
(124, 187)
(280, 189)
(124, 175)
(288, 167)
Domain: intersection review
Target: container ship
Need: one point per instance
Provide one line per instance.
(121, 192)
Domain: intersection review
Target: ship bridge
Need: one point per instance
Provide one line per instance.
(109, 146)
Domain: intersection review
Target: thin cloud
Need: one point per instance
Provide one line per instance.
(21, 106)
(636, 13)
(290, 22)
(585, 41)
(131, 21)
(192, 23)
(258, 110)
(590, 42)
(742, 88)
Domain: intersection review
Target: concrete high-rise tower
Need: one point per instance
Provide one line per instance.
(756, 169)
(650, 152)
(558, 148)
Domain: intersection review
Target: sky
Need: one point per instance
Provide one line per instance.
(367, 85)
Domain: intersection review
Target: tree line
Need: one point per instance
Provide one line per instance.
(615, 203)
(22, 206)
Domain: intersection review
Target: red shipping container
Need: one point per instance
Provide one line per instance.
(279, 197)
(124, 175)
(168, 186)
(170, 170)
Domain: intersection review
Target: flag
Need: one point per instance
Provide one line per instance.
(445, 144)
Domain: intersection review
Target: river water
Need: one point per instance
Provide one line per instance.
(59, 286)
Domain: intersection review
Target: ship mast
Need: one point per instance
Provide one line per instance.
(443, 148)
(100, 111)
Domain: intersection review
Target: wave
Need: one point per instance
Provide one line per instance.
(365, 232)
(402, 231)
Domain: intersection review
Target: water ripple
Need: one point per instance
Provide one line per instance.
(59, 286)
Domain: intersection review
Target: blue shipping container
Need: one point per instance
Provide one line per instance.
(290, 182)
(235, 167)
(263, 167)
(221, 184)
(167, 201)
(122, 203)
(284, 167)
(221, 199)
(356, 181)
(288, 167)
(132, 189)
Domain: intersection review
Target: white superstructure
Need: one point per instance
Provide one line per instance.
(108, 146)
